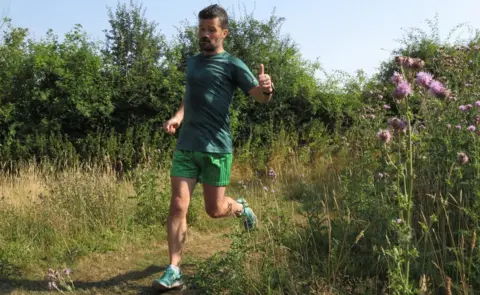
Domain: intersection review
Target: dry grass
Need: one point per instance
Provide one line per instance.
(137, 257)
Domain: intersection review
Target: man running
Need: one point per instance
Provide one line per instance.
(204, 148)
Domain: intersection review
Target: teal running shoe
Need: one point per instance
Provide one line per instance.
(170, 279)
(249, 218)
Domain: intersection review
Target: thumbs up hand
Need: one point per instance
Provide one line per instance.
(265, 81)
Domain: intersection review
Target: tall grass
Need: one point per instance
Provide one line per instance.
(51, 218)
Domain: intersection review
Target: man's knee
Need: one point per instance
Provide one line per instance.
(182, 189)
(179, 205)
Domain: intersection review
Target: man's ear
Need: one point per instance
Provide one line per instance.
(225, 33)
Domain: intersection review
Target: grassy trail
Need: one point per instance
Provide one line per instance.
(127, 271)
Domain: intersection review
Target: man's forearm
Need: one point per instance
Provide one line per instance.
(180, 112)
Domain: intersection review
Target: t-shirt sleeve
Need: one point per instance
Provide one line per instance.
(242, 76)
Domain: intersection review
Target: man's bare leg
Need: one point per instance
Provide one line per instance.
(182, 189)
(218, 205)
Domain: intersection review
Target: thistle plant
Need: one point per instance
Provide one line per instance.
(412, 87)
(56, 280)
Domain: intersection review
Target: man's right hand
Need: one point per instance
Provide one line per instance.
(171, 125)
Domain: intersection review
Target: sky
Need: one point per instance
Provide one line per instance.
(345, 35)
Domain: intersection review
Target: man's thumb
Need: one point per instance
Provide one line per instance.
(261, 70)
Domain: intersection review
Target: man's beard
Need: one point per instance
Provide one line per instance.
(206, 45)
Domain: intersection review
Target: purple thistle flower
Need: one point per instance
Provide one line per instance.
(384, 135)
(424, 78)
(397, 124)
(471, 128)
(477, 103)
(469, 106)
(458, 127)
(437, 89)
(386, 107)
(462, 108)
(403, 89)
(397, 78)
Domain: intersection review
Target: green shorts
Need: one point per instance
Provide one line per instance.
(209, 168)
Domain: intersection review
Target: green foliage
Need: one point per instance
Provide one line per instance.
(76, 101)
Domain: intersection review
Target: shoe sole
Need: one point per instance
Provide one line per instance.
(160, 287)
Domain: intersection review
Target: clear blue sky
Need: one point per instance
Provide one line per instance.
(344, 34)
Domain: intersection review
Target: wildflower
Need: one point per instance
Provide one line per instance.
(397, 124)
(410, 63)
(471, 128)
(462, 158)
(469, 106)
(468, 84)
(384, 135)
(462, 108)
(418, 64)
(458, 127)
(452, 98)
(449, 126)
(403, 89)
(477, 103)
(437, 89)
(397, 78)
(378, 175)
(424, 78)
(404, 61)
(271, 173)
(386, 107)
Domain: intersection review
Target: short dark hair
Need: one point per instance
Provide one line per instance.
(213, 11)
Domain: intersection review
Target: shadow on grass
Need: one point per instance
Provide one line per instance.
(120, 283)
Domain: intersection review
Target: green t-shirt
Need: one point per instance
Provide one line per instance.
(211, 82)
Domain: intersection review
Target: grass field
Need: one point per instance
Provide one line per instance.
(110, 233)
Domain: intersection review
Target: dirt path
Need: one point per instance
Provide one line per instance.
(128, 271)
